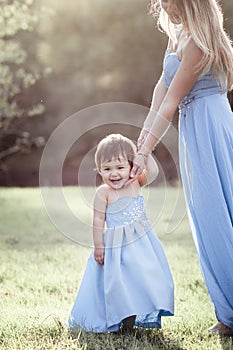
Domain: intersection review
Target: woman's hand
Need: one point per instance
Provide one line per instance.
(139, 161)
(141, 138)
(99, 255)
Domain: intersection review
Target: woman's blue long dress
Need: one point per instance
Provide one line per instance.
(134, 280)
(206, 163)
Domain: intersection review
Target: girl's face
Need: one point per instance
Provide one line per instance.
(170, 8)
(115, 173)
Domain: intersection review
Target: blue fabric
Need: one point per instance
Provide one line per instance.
(206, 162)
(135, 278)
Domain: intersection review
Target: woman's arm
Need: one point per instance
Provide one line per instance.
(181, 84)
(100, 204)
(159, 93)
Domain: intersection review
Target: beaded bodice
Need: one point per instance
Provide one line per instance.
(125, 211)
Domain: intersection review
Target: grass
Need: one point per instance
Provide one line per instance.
(40, 271)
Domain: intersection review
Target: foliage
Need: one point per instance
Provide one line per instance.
(40, 271)
(106, 52)
(18, 18)
(99, 51)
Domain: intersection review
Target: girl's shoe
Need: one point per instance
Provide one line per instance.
(128, 324)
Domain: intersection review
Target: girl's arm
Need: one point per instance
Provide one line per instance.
(159, 93)
(100, 204)
(181, 84)
(150, 173)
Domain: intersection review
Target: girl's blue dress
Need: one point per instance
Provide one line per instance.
(206, 162)
(134, 280)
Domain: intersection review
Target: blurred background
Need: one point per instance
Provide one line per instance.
(59, 57)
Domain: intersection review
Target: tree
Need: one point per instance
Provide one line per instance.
(18, 19)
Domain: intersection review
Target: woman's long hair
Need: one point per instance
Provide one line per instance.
(203, 20)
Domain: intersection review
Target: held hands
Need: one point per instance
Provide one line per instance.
(99, 255)
(139, 162)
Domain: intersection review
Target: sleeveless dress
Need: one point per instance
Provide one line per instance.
(134, 280)
(206, 163)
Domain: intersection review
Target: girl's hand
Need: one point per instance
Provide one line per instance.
(141, 138)
(99, 255)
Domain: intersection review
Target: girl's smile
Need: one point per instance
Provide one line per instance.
(115, 173)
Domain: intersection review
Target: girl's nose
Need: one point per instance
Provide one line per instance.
(113, 173)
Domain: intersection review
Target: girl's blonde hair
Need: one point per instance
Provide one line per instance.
(114, 146)
(203, 20)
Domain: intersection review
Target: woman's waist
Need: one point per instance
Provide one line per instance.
(199, 94)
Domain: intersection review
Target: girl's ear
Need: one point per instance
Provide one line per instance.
(97, 170)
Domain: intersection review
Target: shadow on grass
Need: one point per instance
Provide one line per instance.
(143, 339)
(226, 342)
(158, 340)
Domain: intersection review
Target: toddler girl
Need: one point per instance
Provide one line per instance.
(127, 280)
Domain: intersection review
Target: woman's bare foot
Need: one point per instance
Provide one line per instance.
(220, 329)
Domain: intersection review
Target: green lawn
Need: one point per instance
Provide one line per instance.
(40, 270)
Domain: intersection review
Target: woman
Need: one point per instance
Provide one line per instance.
(198, 71)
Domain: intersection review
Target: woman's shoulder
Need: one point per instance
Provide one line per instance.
(190, 49)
